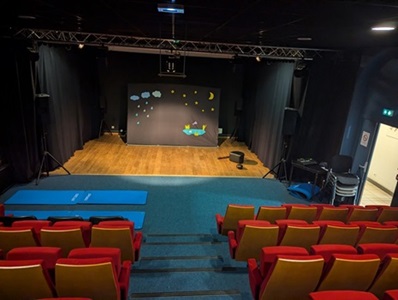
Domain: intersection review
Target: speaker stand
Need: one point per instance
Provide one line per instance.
(104, 124)
(44, 160)
(281, 163)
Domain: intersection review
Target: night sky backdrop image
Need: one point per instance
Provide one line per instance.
(172, 114)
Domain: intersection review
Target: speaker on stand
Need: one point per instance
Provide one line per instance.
(43, 114)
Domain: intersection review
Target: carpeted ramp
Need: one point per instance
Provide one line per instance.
(72, 197)
(187, 266)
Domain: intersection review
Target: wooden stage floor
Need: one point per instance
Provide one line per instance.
(110, 155)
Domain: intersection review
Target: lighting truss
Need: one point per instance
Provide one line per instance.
(146, 45)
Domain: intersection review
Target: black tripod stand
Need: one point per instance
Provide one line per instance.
(281, 163)
(44, 159)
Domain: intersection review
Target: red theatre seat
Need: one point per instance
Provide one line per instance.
(342, 295)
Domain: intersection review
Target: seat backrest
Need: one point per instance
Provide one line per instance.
(341, 163)
(271, 213)
(84, 225)
(349, 272)
(377, 234)
(112, 236)
(233, 214)
(300, 235)
(64, 237)
(333, 213)
(387, 214)
(242, 224)
(94, 278)
(387, 276)
(253, 239)
(292, 277)
(24, 279)
(339, 234)
(12, 237)
(362, 214)
(307, 213)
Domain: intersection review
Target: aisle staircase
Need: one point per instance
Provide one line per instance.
(186, 266)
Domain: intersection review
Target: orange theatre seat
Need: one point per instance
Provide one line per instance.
(342, 295)
(360, 213)
(333, 213)
(387, 277)
(84, 225)
(118, 234)
(64, 237)
(49, 255)
(373, 233)
(289, 277)
(299, 235)
(301, 212)
(233, 214)
(338, 234)
(25, 279)
(95, 278)
(12, 237)
(251, 237)
(349, 272)
(122, 268)
(387, 213)
(271, 213)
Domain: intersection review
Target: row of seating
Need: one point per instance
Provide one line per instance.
(309, 213)
(73, 234)
(40, 273)
(252, 235)
(287, 272)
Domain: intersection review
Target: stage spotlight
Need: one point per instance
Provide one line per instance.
(81, 46)
(258, 58)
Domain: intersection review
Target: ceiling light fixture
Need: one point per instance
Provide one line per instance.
(383, 28)
(170, 8)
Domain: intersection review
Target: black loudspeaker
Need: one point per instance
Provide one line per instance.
(290, 121)
(237, 156)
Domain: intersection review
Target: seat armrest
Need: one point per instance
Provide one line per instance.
(232, 243)
(255, 278)
(137, 245)
(124, 279)
(219, 221)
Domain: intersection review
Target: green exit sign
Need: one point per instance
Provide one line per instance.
(388, 112)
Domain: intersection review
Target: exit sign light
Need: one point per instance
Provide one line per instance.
(388, 112)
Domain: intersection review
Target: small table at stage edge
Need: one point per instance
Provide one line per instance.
(315, 169)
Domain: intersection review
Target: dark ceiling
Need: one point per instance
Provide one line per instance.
(303, 24)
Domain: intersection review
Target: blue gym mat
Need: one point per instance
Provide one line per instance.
(71, 197)
(135, 216)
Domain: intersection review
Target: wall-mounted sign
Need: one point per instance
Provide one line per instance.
(365, 138)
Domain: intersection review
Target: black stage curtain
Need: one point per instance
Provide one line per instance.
(18, 142)
(70, 115)
(267, 92)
